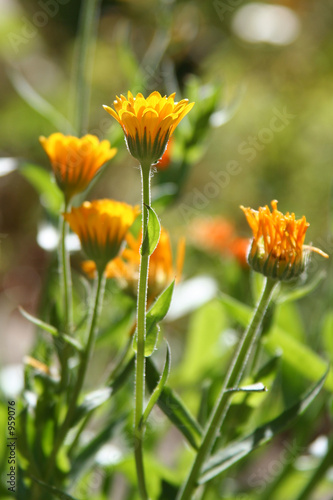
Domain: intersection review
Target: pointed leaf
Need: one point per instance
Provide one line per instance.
(158, 389)
(234, 452)
(155, 314)
(51, 329)
(152, 235)
(170, 403)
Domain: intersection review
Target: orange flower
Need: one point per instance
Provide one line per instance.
(278, 249)
(148, 123)
(101, 226)
(125, 269)
(75, 162)
(216, 234)
(164, 162)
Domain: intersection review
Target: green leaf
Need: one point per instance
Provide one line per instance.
(234, 452)
(204, 333)
(301, 291)
(158, 389)
(155, 314)
(152, 235)
(51, 196)
(172, 406)
(52, 489)
(51, 329)
(91, 401)
(327, 334)
(295, 353)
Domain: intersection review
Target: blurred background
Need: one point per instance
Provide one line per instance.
(261, 75)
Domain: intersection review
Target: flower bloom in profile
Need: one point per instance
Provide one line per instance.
(218, 235)
(277, 248)
(148, 123)
(75, 162)
(125, 269)
(101, 226)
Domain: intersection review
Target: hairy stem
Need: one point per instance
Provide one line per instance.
(232, 379)
(141, 336)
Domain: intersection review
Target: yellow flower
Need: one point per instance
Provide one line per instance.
(75, 161)
(148, 123)
(277, 248)
(125, 269)
(101, 226)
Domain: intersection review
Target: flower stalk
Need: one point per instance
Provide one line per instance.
(85, 357)
(233, 377)
(141, 337)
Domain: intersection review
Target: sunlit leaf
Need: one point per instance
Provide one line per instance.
(234, 452)
(152, 235)
(52, 330)
(155, 314)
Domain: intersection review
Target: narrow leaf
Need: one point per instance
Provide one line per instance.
(295, 353)
(172, 406)
(52, 489)
(51, 196)
(158, 389)
(234, 452)
(152, 235)
(259, 387)
(155, 314)
(91, 401)
(51, 329)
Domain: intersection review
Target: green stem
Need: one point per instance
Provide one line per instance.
(65, 426)
(318, 474)
(141, 333)
(83, 63)
(66, 276)
(232, 380)
(66, 286)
